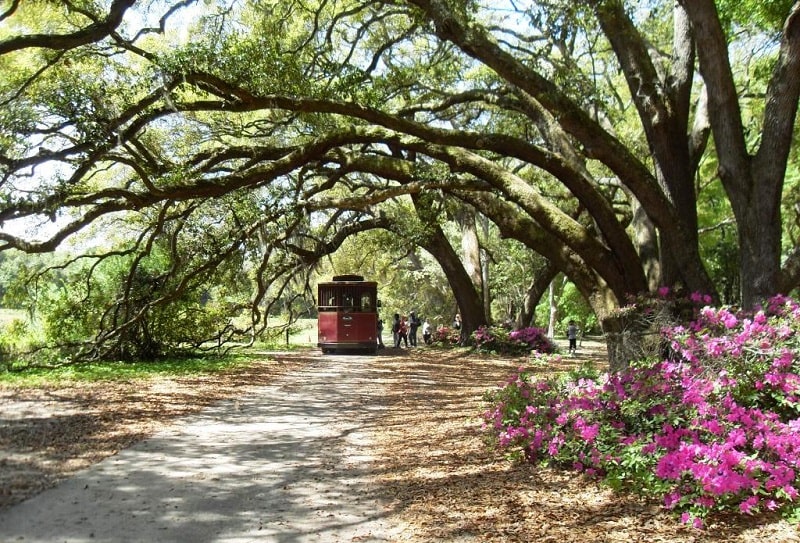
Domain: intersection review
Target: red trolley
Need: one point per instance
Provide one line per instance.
(348, 314)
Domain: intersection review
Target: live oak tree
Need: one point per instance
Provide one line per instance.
(281, 128)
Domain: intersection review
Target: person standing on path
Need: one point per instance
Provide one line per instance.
(426, 332)
(572, 336)
(402, 335)
(413, 325)
(396, 330)
(380, 334)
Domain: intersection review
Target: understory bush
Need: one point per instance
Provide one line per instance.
(446, 336)
(713, 428)
(500, 340)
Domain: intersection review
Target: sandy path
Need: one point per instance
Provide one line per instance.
(321, 448)
(286, 463)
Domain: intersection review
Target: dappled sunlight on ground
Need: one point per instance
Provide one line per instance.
(448, 486)
(408, 449)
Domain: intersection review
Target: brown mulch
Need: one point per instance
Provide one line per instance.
(442, 482)
(448, 486)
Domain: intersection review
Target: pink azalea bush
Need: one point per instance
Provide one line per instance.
(715, 427)
(498, 339)
(446, 336)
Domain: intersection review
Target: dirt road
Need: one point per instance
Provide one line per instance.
(304, 448)
(284, 463)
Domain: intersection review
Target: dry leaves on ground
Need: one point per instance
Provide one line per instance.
(448, 486)
(440, 480)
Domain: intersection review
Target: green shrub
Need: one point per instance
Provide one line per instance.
(500, 340)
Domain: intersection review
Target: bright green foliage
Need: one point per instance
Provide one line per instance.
(573, 307)
(244, 150)
(85, 305)
(754, 14)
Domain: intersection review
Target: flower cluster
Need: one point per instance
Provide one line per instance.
(446, 336)
(713, 428)
(498, 339)
(535, 338)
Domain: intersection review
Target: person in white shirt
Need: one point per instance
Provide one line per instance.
(426, 332)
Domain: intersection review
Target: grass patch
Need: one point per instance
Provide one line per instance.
(302, 334)
(122, 371)
(9, 315)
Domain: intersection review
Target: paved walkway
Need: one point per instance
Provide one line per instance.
(284, 464)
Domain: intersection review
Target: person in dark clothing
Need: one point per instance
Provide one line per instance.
(572, 336)
(396, 330)
(413, 325)
(380, 334)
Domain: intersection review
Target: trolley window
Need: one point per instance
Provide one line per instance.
(350, 298)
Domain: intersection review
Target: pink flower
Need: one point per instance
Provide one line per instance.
(650, 448)
(672, 499)
(696, 522)
(728, 319)
(784, 360)
(589, 432)
(705, 501)
(699, 298)
(749, 506)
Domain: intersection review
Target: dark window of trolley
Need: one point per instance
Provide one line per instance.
(348, 299)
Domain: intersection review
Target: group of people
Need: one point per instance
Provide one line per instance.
(405, 330)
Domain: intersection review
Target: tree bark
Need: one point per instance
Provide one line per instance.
(790, 276)
(596, 142)
(600, 296)
(662, 102)
(470, 247)
(645, 238)
(467, 296)
(753, 183)
(537, 288)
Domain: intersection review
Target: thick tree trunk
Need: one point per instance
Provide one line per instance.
(537, 288)
(759, 227)
(553, 309)
(468, 297)
(662, 101)
(790, 274)
(470, 247)
(753, 183)
(645, 239)
(630, 338)
(487, 295)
